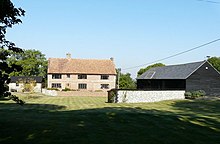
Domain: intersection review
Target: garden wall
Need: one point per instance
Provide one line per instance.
(49, 92)
(73, 93)
(136, 96)
(81, 93)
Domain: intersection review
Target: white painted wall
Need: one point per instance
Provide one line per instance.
(19, 88)
(49, 92)
(132, 96)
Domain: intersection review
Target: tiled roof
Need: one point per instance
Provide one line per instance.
(14, 79)
(80, 66)
(181, 71)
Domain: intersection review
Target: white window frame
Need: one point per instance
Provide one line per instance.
(82, 86)
(56, 85)
(56, 76)
(104, 77)
(104, 86)
(82, 76)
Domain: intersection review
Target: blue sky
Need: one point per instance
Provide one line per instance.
(134, 32)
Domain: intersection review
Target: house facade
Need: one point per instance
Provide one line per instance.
(189, 77)
(81, 74)
(25, 84)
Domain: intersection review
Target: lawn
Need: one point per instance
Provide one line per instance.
(57, 120)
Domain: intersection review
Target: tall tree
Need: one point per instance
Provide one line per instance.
(33, 63)
(143, 70)
(9, 16)
(215, 61)
(125, 80)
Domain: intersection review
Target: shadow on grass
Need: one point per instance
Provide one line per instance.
(111, 125)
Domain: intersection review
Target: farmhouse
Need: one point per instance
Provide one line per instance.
(189, 77)
(24, 83)
(81, 74)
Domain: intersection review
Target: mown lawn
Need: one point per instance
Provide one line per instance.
(91, 120)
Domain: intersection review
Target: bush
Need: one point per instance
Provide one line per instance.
(98, 90)
(56, 89)
(66, 89)
(195, 94)
(112, 96)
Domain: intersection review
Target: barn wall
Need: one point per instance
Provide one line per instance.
(161, 84)
(205, 78)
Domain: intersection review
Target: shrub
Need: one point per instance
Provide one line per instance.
(66, 89)
(56, 89)
(195, 94)
(112, 95)
(98, 90)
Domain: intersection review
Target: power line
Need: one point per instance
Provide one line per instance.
(209, 1)
(208, 43)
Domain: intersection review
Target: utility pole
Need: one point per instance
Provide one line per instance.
(119, 72)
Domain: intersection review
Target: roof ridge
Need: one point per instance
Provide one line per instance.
(82, 59)
(180, 71)
(186, 63)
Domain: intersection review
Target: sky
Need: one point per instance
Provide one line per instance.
(133, 32)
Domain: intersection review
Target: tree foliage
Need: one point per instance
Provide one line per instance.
(125, 81)
(215, 61)
(33, 63)
(9, 16)
(143, 70)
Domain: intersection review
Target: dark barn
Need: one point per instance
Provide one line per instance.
(190, 77)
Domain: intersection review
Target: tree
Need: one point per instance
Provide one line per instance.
(9, 16)
(125, 81)
(33, 63)
(143, 70)
(215, 61)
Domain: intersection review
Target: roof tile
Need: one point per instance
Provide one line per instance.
(82, 66)
(181, 71)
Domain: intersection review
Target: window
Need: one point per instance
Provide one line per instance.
(56, 76)
(104, 86)
(104, 77)
(56, 85)
(82, 86)
(82, 76)
(68, 75)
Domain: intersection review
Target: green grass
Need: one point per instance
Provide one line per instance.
(91, 120)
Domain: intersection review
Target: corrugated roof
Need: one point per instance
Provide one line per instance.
(80, 66)
(14, 79)
(181, 71)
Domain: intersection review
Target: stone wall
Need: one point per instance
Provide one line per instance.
(136, 96)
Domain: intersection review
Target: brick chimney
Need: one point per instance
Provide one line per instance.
(68, 55)
(112, 59)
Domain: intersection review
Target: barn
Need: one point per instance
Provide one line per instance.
(189, 77)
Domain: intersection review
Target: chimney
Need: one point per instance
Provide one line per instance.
(68, 55)
(112, 59)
